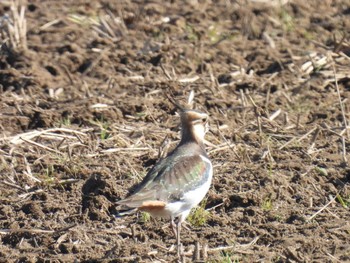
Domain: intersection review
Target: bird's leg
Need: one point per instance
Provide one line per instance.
(173, 227)
(178, 229)
(178, 241)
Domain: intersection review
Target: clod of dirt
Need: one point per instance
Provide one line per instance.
(95, 191)
(94, 185)
(34, 209)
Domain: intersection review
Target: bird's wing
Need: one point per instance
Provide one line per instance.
(169, 180)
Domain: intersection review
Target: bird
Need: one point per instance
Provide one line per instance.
(180, 181)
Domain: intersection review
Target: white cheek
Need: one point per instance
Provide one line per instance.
(199, 131)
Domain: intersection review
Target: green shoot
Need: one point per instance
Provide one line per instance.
(267, 204)
(145, 217)
(344, 204)
(199, 216)
(321, 171)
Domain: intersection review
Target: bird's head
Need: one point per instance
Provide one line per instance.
(194, 125)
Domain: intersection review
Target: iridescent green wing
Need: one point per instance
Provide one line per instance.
(185, 174)
(170, 179)
(147, 190)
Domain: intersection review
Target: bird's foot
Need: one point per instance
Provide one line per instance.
(186, 225)
(180, 252)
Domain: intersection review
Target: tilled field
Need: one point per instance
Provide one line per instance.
(84, 115)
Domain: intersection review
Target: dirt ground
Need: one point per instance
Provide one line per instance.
(83, 117)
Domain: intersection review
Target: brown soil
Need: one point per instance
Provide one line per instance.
(83, 115)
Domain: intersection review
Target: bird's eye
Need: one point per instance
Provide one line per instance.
(204, 119)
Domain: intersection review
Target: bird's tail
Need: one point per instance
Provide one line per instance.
(126, 212)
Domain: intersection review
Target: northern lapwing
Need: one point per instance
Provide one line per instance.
(180, 181)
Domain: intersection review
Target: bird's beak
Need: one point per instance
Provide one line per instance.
(206, 127)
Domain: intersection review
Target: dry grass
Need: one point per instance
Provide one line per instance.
(13, 27)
